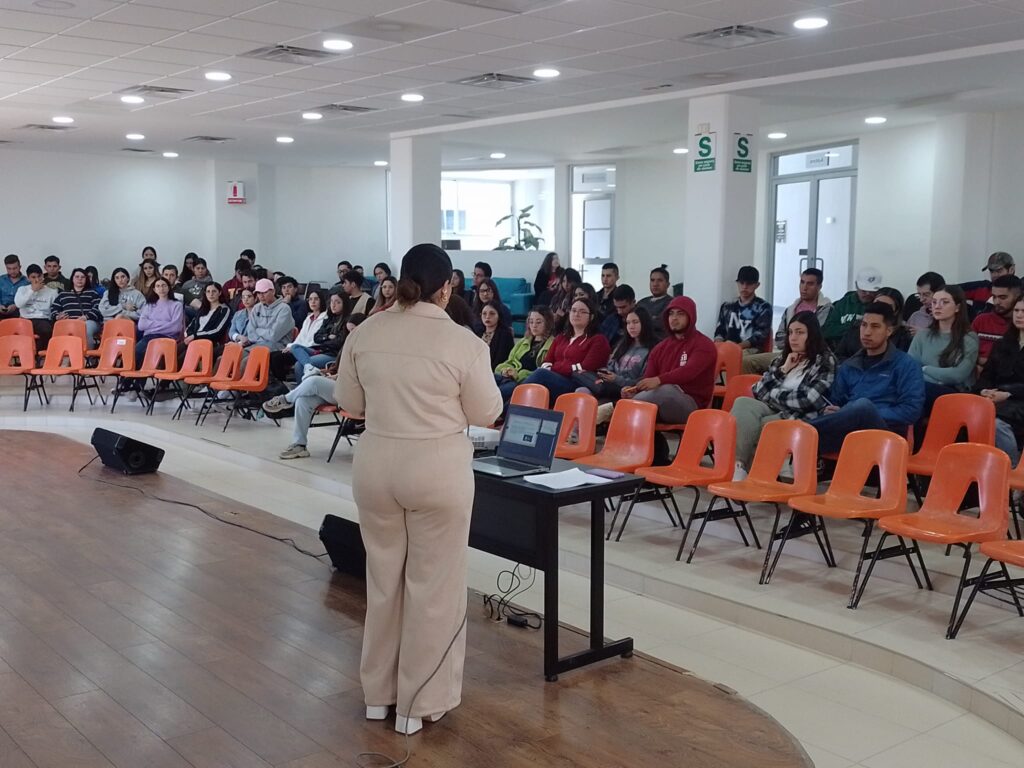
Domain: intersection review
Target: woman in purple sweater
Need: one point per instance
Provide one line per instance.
(161, 317)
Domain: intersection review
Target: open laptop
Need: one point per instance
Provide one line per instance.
(527, 443)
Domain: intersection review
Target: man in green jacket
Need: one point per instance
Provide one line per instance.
(850, 309)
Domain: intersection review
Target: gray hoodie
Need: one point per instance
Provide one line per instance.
(270, 326)
(128, 295)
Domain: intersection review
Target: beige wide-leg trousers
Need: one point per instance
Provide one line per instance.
(415, 500)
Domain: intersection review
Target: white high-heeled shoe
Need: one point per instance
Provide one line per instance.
(411, 725)
(376, 713)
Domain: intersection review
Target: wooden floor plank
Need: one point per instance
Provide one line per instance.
(214, 748)
(11, 755)
(49, 674)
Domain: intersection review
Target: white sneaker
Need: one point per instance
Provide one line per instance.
(739, 473)
(376, 713)
(310, 370)
(604, 412)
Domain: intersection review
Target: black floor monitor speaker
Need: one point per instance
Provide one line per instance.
(344, 544)
(124, 454)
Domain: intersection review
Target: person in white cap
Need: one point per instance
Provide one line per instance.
(270, 322)
(850, 309)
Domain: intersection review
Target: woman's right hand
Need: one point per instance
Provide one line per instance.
(792, 361)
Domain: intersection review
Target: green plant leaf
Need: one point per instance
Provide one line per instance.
(525, 211)
(532, 225)
(503, 219)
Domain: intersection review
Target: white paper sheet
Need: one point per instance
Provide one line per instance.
(570, 478)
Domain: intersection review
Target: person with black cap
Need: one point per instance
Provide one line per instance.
(979, 292)
(748, 320)
(419, 380)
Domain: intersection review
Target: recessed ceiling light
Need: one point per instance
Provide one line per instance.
(63, 120)
(546, 72)
(134, 136)
(877, 120)
(811, 22)
(412, 97)
(311, 116)
(680, 151)
(218, 77)
(336, 44)
(54, 5)
(497, 155)
(380, 163)
(609, 170)
(132, 100)
(776, 135)
(285, 139)
(610, 186)
(170, 154)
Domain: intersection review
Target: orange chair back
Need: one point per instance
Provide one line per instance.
(198, 358)
(705, 429)
(950, 414)
(61, 349)
(780, 440)
(118, 328)
(960, 465)
(16, 326)
(73, 327)
(229, 367)
(739, 386)
(630, 439)
(532, 395)
(17, 354)
(161, 355)
(730, 361)
(117, 353)
(257, 369)
(580, 410)
(862, 452)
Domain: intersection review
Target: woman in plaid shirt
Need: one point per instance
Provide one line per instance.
(793, 388)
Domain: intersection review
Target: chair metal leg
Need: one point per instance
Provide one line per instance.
(337, 439)
(671, 492)
(231, 410)
(1013, 590)
(924, 568)
(915, 487)
(689, 521)
(671, 517)
(907, 552)
(794, 517)
(743, 534)
(979, 584)
(700, 531)
(615, 517)
(771, 544)
(750, 524)
(826, 545)
(871, 567)
(869, 525)
(629, 511)
(950, 635)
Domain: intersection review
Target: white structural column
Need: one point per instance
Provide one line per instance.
(721, 196)
(415, 193)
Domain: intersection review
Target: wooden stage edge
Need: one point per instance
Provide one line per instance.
(135, 633)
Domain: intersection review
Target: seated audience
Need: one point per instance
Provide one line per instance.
(234, 285)
(327, 340)
(609, 281)
(9, 285)
(187, 264)
(248, 279)
(548, 277)
(211, 319)
(270, 322)
(381, 271)
(578, 348)
(284, 360)
(240, 317)
(978, 292)
(149, 252)
(121, 300)
(794, 387)
(386, 294)
(250, 255)
(343, 267)
(81, 302)
(1002, 382)
(562, 298)
(459, 287)
(848, 311)
(918, 310)
(586, 291)
(481, 271)
(299, 306)
(495, 333)
(992, 326)
(94, 280)
(528, 353)
(748, 320)
(901, 336)
(811, 299)
(880, 387)
(161, 317)
(657, 302)
(149, 271)
(613, 325)
(194, 288)
(356, 301)
(170, 274)
(54, 277)
(626, 365)
(311, 393)
(487, 293)
(34, 302)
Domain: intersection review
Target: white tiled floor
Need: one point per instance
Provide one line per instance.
(844, 714)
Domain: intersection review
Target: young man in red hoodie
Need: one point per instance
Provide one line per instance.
(680, 373)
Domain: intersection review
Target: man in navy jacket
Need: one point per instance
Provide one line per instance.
(880, 387)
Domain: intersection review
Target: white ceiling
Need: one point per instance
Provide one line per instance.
(56, 59)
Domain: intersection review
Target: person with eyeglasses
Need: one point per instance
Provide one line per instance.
(580, 347)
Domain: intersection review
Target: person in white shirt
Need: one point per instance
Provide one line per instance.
(282, 361)
(33, 302)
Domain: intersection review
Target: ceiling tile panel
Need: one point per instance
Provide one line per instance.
(253, 31)
(467, 41)
(79, 9)
(121, 33)
(597, 40)
(162, 18)
(603, 62)
(58, 57)
(596, 13)
(224, 7)
(528, 28)
(304, 17)
(746, 12)
(20, 37)
(887, 10)
(965, 18)
(670, 26)
(176, 56)
(439, 13)
(34, 22)
(86, 45)
(203, 43)
(541, 53)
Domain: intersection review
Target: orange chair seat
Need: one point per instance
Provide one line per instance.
(103, 371)
(5, 371)
(198, 381)
(945, 529)
(922, 463)
(610, 461)
(170, 375)
(572, 452)
(1009, 552)
(140, 374)
(327, 408)
(673, 477)
(764, 491)
(845, 506)
(1017, 480)
(44, 371)
(225, 385)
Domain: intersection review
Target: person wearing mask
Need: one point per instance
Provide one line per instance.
(9, 285)
(880, 387)
(161, 317)
(487, 293)
(979, 292)
(748, 320)
(81, 302)
(1002, 382)
(148, 272)
(34, 302)
(680, 374)
(948, 351)
(847, 312)
(992, 326)
(613, 326)
(121, 299)
(211, 320)
(577, 348)
(495, 334)
(609, 281)
(795, 386)
(54, 277)
(299, 307)
(658, 301)
(528, 353)
(415, 523)
(387, 293)
(356, 301)
(548, 277)
(918, 309)
(901, 336)
(194, 288)
(626, 365)
(810, 299)
(240, 317)
(284, 360)
(270, 322)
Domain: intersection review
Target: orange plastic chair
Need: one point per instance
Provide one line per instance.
(580, 410)
(939, 520)
(16, 326)
(254, 379)
(1004, 553)
(18, 358)
(340, 418)
(630, 441)
(198, 362)
(229, 368)
(73, 327)
(707, 429)
(862, 452)
(729, 364)
(118, 328)
(532, 395)
(737, 387)
(161, 355)
(779, 441)
(950, 414)
(65, 356)
(116, 355)
(1017, 484)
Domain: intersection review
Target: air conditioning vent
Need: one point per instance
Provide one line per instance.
(496, 80)
(594, 178)
(209, 139)
(736, 36)
(47, 127)
(348, 109)
(137, 151)
(509, 6)
(154, 91)
(289, 54)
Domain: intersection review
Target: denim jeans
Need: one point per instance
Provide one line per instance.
(555, 383)
(302, 356)
(856, 414)
(313, 392)
(141, 344)
(1007, 441)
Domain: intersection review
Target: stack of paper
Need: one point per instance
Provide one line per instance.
(570, 478)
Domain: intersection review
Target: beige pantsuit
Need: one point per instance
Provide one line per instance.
(420, 379)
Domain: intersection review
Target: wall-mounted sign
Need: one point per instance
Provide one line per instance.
(780, 231)
(742, 162)
(707, 151)
(236, 193)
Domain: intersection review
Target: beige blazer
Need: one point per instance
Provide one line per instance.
(415, 374)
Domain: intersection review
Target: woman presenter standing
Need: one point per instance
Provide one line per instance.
(419, 379)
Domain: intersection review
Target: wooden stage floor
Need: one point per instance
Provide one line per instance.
(140, 634)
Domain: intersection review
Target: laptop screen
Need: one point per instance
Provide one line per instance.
(530, 435)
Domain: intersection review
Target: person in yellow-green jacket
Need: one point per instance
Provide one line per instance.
(528, 353)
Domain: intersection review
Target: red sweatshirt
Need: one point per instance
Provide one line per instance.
(591, 352)
(990, 328)
(688, 361)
